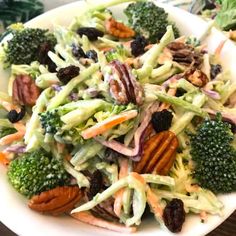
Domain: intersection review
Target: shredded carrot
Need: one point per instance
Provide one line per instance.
(119, 195)
(154, 203)
(108, 123)
(138, 177)
(88, 218)
(19, 127)
(8, 106)
(11, 138)
(106, 49)
(4, 159)
(164, 105)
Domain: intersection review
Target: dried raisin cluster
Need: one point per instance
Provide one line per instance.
(91, 32)
(174, 215)
(138, 45)
(67, 73)
(161, 120)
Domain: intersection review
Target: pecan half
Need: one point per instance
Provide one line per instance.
(124, 88)
(56, 201)
(118, 29)
(159, 154)
(25, 92)
(185, 54)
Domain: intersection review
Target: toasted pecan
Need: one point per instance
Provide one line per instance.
(118, 29)
(25, 92)
(159, 154)
(56, 201)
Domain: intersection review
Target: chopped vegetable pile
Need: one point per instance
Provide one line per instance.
(106, 117)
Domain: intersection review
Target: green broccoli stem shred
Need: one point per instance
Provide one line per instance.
(46, 80)
(181, 123)
(110, 170)
(83, 109)
(185, 85)
(61, 96)
(180, 102)
(128, 181)
(150, 57)
(202, 200)
(228, 92)
(164, 77)
(34, 121)
(109, 42)
(158, 179)
(82, 181)
(87, 151)
(163, 69)
(127, 195)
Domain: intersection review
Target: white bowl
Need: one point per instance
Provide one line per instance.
(18, 217)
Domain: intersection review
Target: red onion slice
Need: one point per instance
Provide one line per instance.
(211, 93)
(16, 148)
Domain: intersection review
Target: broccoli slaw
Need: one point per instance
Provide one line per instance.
(95, 112)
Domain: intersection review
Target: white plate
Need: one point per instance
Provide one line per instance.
(14, 211)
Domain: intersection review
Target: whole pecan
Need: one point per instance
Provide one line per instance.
(159, 154)
(25, 92)
(124, 88)
(118, 29)
(56, 201)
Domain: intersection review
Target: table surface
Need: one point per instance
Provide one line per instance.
(228, 228)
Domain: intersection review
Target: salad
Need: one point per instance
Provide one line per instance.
(108, 120)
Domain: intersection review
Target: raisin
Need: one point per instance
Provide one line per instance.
(43, 57)
(91, 32)
(96, 184)
(174, 215)
(161, 120)
(180, 92)
(92, 54)
(78, 52)
(14, 116)
(138, 45)
(67, 73)
(215, 70)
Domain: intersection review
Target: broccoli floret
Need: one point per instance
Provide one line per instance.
(51, 121)
(214, 156)
(119, 53)
(26, 45)
(148, 20)
(35, 172)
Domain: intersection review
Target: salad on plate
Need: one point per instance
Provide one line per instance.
(109, 121)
